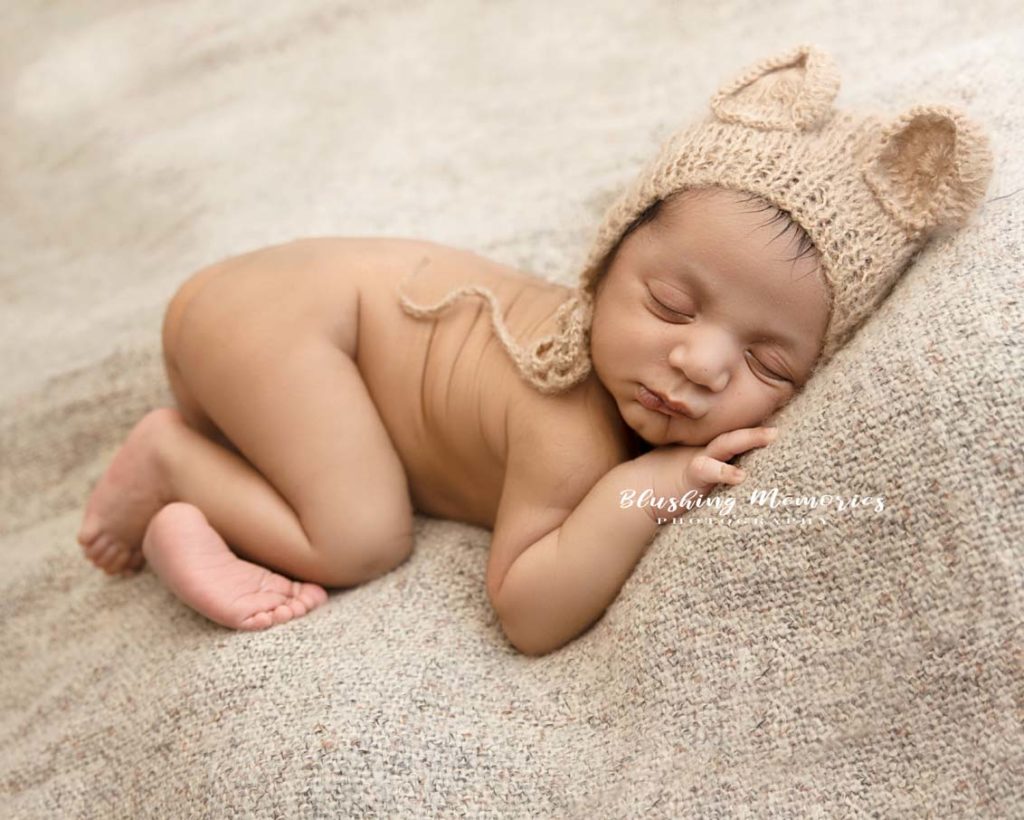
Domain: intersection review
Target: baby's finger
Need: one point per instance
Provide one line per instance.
(735, 442)
(708, 470)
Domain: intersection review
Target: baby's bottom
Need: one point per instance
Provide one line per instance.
(315, 489)
(284, 454)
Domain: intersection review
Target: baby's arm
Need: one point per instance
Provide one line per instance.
(564, 582)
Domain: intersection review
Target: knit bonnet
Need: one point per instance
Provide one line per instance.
(868, 190)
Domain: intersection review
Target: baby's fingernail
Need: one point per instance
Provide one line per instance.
(772, 433)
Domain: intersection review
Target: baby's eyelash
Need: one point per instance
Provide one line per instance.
(667, 309)
(771, 374)
(768, 371)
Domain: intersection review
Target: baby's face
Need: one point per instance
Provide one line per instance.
(703, 306)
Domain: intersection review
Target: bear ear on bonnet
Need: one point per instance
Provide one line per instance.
(929, 168)
(792, 91)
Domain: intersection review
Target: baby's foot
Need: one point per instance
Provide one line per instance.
(197, 566)
(131, 492)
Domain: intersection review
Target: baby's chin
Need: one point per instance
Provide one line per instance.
(671, 433)
(686, 432)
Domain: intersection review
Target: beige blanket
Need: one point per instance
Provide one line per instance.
(760, 662)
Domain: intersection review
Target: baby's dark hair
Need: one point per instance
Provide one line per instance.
(805, 246)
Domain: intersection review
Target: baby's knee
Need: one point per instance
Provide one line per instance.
(390, 553)
(353, 558)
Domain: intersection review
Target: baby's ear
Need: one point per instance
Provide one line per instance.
(790, 92)
(929, 167)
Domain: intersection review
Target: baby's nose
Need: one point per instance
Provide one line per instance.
(704, 361)
(709, 372)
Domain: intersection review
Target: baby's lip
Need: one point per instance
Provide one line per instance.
(677, 407)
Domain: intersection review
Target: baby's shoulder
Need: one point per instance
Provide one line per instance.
(562, 445)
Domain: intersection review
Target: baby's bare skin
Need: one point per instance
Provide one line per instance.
(444, 387)
(316, 415)
(444, 390)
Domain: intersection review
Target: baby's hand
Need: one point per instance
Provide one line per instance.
(674, 470)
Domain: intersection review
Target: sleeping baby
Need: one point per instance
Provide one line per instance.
(329, 388)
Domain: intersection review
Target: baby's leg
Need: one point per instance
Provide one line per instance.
(187, 554)
(320, 493)
(315, 451)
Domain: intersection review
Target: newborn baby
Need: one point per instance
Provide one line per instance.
(317, 408)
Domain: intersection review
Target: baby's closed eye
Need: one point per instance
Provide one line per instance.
(670, 305)
(674, 315)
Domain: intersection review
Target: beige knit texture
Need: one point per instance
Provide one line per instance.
(869, 666)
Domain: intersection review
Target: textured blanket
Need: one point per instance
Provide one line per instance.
(854, 658)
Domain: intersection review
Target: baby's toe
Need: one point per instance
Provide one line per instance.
(261, 620)
(99, 549)
(296, 607)
(283, 614)
(110, 555)
(95, 547)
(136, 563)
(89, 531)
(312, 595)
(120, 560)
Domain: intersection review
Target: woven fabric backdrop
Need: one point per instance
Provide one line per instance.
(755, 664)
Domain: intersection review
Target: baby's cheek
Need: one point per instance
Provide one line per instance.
(778, 402)
(751, 400)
